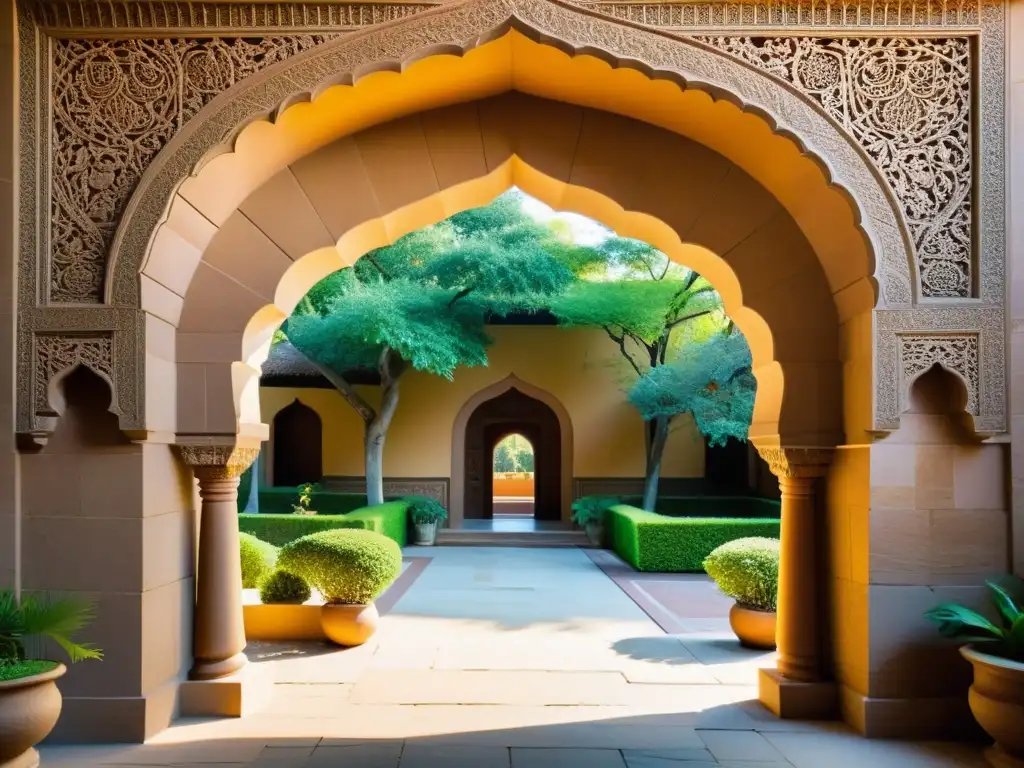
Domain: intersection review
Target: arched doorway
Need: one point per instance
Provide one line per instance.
(297, 445)
(493, 420)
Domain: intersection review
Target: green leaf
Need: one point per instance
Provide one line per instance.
(962, 623)
(1015, 640)
(1009, 612)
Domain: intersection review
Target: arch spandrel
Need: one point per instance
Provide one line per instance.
(461, 27)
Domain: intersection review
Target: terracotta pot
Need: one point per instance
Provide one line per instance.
(349, 625)
(29, 708)
(755, 629)
(997, 700)
(425, 534)
(595, 532)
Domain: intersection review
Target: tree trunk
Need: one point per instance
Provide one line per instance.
(654, 454)
(391, 369)
(252, 504)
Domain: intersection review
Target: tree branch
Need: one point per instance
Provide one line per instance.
(621, 341)
(681, 320)
(363, 408)
(460, 295)
(376, 264)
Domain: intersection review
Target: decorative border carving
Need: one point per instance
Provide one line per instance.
(941, 326)
(57, 355)
(65, 16)
(462, 26)
(796, 462)
(432, 487)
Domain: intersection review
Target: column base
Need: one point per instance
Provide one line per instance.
(997, 758)
(920, 719)
(794, 700)
(211, 670)
(239, 694)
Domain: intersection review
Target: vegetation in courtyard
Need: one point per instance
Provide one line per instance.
(36, 618)
(653, 542)
(590, 510)
(1003, 637)
(670, 329)
(513, 454)
(282, 587)
(305, 499)
(347, 567)
(389, 519)
(747, 570)
(424, 510)
(258, 559)
(423, 304)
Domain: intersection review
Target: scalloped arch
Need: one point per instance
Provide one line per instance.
(464, 28)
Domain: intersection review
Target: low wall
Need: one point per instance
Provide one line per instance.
(513, 484)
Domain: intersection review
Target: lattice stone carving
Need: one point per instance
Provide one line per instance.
(57, 354)
(908, 103)
(959, 353)
(115, 104)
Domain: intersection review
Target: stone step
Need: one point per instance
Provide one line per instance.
(462, 538)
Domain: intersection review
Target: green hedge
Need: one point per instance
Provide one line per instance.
(279, 500)
(711, 506)
(388, 518)
(658, 543)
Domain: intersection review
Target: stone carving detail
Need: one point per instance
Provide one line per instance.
(908, 103)
(796, 462)
(218, 462)
(821, 13)
(115, 104)
(959, 354)
(434, 488)
(58, 354)
(262, 16)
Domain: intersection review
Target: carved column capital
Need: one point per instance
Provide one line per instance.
(217, 461)
(803, 462)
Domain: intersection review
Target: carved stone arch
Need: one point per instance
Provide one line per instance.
(458, 470)
(459, 28)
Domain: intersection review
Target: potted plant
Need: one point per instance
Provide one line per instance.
(588, 514)
(747, 570)
(350, 567)
(30, 702)
(425, 513)
(306, 491)
(996, 651)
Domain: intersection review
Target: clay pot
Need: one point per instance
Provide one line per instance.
(997, 702)
(755, 629)
(349, 625)
(425, 534)
(29, 708)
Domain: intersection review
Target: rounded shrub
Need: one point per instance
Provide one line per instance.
(284, 587)
(747, 570)
(347, 566)
(258, 559)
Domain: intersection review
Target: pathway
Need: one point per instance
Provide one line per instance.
(522, 658)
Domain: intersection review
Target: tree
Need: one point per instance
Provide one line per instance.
(652, 314)
(710, 380)
(422, 303)
(503, 460)
(524, 460)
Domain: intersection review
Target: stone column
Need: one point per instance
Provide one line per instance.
(801, 621)
(218, 634)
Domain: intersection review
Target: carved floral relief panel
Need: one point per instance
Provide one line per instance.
(908, 104)
(115, 104)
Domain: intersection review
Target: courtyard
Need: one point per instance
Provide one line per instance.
(526, 658)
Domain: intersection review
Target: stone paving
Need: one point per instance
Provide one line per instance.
(521, 658)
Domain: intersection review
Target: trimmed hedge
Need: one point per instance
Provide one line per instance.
(388, 519)
(258, 559)
(711, 506)
(279, 500)
(658, 543)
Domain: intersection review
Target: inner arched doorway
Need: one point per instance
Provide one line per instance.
(297, 445)
(492, 421)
